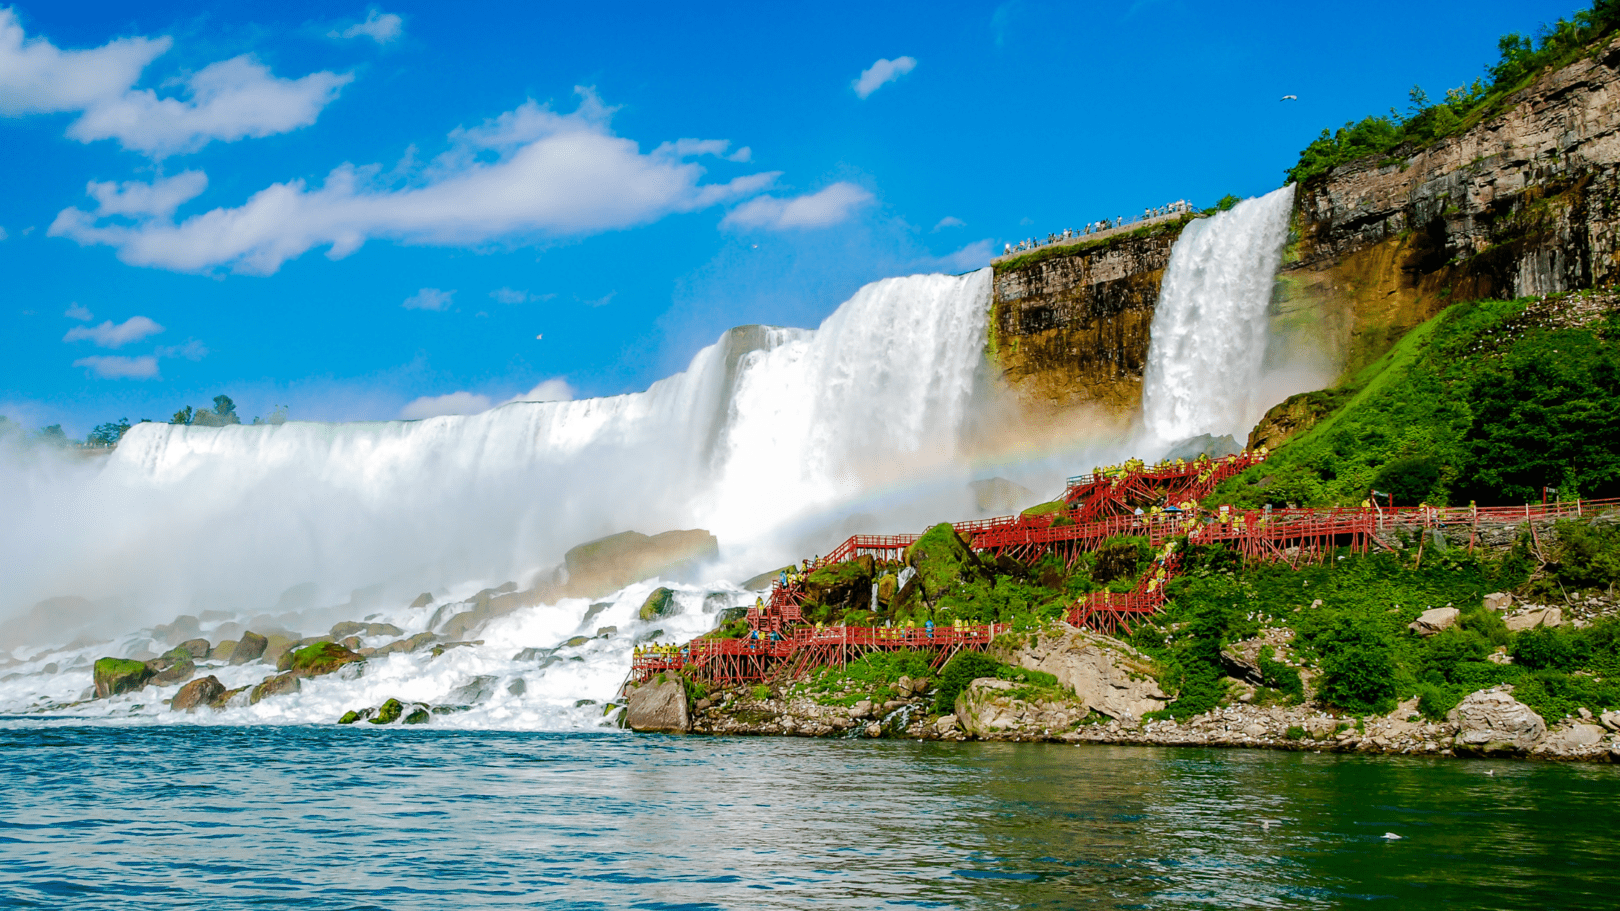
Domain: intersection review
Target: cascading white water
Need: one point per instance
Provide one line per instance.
(765, 426)
(1209, 334)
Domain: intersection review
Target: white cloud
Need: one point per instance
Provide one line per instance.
(82, 314)
(815, 210)
(429, 299)
(555, 389)
(430, 406)
(192, 350)
(973, 256)
(158, 199)
(3, 234)
(742, 155)
(110, 335)
(227, 100)
(949, 221)
(881, 73)
(379, 26)
(551, 175)
(113, 367)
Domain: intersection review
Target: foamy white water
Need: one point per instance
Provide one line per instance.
(1209, 333)
(765, 427)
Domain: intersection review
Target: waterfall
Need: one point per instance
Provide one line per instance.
(763, 426)
(1208, 339)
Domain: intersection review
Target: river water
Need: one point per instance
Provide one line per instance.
(398, 819)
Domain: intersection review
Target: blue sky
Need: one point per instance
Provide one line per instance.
(367, 212)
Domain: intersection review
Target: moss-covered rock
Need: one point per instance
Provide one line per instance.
(353, 715)
(943, 561)
(119, 675)
(661, 603)
(388, 712)
(841, 587)
(174, 666)
(315, 660)
(418, 714)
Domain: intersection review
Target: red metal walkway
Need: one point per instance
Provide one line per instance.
(1159, 503)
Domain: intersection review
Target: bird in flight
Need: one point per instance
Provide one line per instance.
(1290, 98)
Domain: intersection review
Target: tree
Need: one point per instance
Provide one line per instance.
(1358, 668)
(223, 413)
(183, 416)
(107, 435)
(52, 435)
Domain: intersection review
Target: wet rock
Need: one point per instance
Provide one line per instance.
(945, 724)
(447, 646)
(592, 612)
(388, 713)
(350, 628)
(517, 687)
(418, 714)
(318, 659)
(404, 645)
(874, 730)
(196, 648)
(658, 706)
(862, 709)
(1434, 620)
(222, 651)
(576, 642)
(118, 675)
(174, 666)
(353, 715)
(274, 686)
(473, 691)
(197, 692)
(1492, 721)
(352, 643)
(250, 647)
(603, 632)
(533, 654)
(1498, 601)
(422, 600)
(608, 564)
(661, 603)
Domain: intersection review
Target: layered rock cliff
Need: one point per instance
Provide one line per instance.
(1069, 324)
(1523, 203)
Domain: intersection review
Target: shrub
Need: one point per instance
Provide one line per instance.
(1544, 648)
(1358, 670)
(960, 671)
(1280, 676)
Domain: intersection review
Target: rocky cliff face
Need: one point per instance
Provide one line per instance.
(1524, 203)
(1069, 325)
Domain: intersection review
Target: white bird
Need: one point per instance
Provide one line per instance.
(1265, 824)
(1491, 772)
(1289, 98)
(1391, 836)
(538, 337)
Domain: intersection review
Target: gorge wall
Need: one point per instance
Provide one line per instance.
(1525, 202)
(1069, 323)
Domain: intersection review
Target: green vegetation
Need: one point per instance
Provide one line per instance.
(316, 659)
(1077, 248)
(967, 667)
(872, 677)
(1520, 61)
(119, 675)
(1356, 641)
(1488, 401)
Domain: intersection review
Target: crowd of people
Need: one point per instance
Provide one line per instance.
(1179, 207)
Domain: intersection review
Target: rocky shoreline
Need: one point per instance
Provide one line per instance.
(1102, 699)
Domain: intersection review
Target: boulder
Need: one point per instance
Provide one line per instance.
(388, 712)
(422, 600)
(274, 686)
(249, 648)
(196, 648)
(1434, 620)
(659, 705)
(175, 666)
(1546, 616)
(1570, 742)
(417, 714)
(348, 628)
(845, 586)
(608, 564)
(405, 645)
(353, 715)
(1492, 721)
(1610, 720)
(990, 708)
(317, 659)
(1106, 675)
(661, 603)
(119, 675)
(197, 692)
(1498, 601)
(942, 561)
(222, 651)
